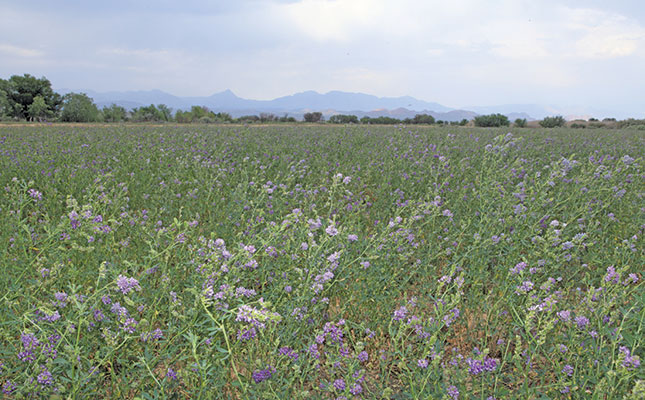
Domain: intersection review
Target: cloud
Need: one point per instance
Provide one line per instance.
(16, 51)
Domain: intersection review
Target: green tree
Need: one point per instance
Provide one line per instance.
(492, 120)
(78, 107)
(114, 113)
(343, 119)
(552, 122)
(313, 117)
(5, 106)
(147, 114)
(423, 119)
(520, 122)
(38, 109)
(165, 111)
(22, 90)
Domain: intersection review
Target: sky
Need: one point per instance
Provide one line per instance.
(458, 53)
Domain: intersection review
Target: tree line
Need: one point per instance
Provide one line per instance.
(29, 98)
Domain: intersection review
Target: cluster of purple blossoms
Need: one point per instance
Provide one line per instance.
(45, 377)
(612, 275)
(524, 288)
(629, 361)
(423, 363)
(289, 352)
(34, 194)
(400, 313)
(126, 285)
(339, 384)
(29, 344)
(476, 367)
(331, 230)
(453, 392)
(519, 267)
(581, 321)
(451, 317)
(157, 334)
(263, 374)
(567, 370)
(246, 333)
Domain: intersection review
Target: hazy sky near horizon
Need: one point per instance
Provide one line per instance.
(458, 53)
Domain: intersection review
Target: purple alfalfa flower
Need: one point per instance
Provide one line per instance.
(130, 325)
(451, 317)
(475, 367)
(356, 389)
(119, 310)
(365, 264)
(524, 288)
(400, 313)
(567, 370)
(9, 387)
(490, 364)
(565, 390)
(126, 285)
(263, 374)
(612, 275)
(629, 361)
(339, 384)
(331, 230)
(171, 374)
(581, 321)
(363, 356)
(347, 180)
(289, 352)
(45, 377)
(563, 349)
(271, 251)
(422, 363)
(631, 278)
(567, 245)
(519, 267)
(564, 315)
(352, 238)
(495, 239)
(61, 299)
(246, 334)
(453, 392)
(34, 194)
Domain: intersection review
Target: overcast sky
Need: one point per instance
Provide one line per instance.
(458, 52)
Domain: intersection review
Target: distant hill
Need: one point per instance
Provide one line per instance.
(334, 102)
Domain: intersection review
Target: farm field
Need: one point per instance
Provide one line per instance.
(321, 262)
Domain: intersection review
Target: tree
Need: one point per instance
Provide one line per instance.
(313, 117)
(552, 122)
(38, 109)
(114, 113)
(22, 90)
(5, 106)
(147, 114)
(423, 119)
(492, 120)
(165, 112)
(78, 107)
(520, 122)
(343, 119)
(267, 117)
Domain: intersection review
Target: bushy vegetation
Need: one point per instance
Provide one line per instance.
(491, 120)
(553, 122)
(520, 122)
(188, 262)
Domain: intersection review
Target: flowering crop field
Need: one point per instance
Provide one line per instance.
(317, 262)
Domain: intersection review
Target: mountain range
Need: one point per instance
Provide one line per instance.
(334, 102)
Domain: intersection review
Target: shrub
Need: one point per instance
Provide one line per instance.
(553, 122)
(492, 120)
